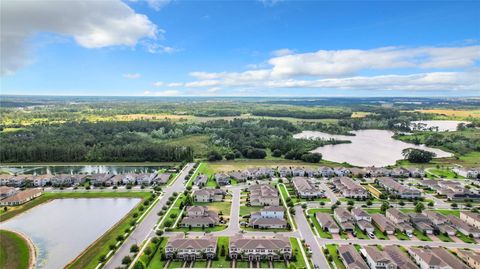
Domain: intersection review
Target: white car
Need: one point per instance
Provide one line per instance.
(371, 235)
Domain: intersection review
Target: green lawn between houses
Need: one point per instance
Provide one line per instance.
(332, 250)
(14, 251)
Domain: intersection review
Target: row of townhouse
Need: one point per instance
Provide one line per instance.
(349, 188)
(452, 189)
(100, 179)
(200, 217)
(429, 222)
(436, 258)
(345, 220)
(240, 248)
(208, 195)
(263, 195)
(392, 257)
(396, 172)
(398, 188)
(473, 172)
(13, 197)
(270, 217)
(305, 188)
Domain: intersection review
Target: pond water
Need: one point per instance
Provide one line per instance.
(79, 169)
(367, 148)
(442, 125)
(61, 229)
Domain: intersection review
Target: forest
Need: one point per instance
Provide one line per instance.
(74, 129)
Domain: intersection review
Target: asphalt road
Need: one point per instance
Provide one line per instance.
(145, 229)
(306, 233)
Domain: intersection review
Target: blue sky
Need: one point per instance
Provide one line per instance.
(280, 48)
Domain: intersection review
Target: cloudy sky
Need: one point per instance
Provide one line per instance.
(240, 48)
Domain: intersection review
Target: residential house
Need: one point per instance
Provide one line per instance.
(363, 220)
(400, 172)
(463, 227)
(208, 195)
(200, 180)
(401, 221)
(341, 172)
(263, 194)
(357, 172)
(385, 225)
(349, 188)
(305, 188)
(260, 248)
(472, 258)
(309, 172)
(6, 179)
(6, 191)
(199, 216)
(222, 179)
(324, 171)
(239, 176)
(377, 259)
(399, 257)
(271, 217)
(421, 222)
(21, 197)
(344, 219)
(191, 249)
(435, 258)
(262, 172)
(298, 172)
(399, 189)
(115, 180)
(471, 218)
(440, 222)
(285, 171)
(42, 180)
(100, 179)
(473, 173)
(416, 172)
(327, 223)
(351, 258)
(162, 178)
(146, 178)
(378, 172)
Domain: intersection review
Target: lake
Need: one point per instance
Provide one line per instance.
(367, 148)
(61, 229)
(79, 169)
(443, 125)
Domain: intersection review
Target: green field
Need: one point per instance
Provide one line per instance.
(298, 253)
(14, 251)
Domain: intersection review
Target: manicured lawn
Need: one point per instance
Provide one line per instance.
(421, 236)
(444, 238)
(246, 210)
(379, 234)
(222, 261)
(174, 264)
(332, 250)
(449, 212)
(279, 264)
(156, 261)
(14, 251)
(298, 253)
(360, 234)
(242, 264)
(223, 207)
(401, 236)
(200, 264)
(322, 233)
(444, 173)
(465, 238)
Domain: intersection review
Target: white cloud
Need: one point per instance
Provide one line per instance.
(159, 84)
(282, 52)
(92, 24)
(163, 93)
(132, 76)
(339, 70)
(158, 4)
(335, 63)
(269, 3)
(175, 84)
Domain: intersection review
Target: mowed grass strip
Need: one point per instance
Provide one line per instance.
(14, 251)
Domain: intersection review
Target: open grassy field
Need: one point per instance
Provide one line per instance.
(199, 144)
(14, 251)
(453, 114)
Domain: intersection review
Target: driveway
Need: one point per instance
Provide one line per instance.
(145, 229)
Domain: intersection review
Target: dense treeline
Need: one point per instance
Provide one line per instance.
(303, 114)
(107, 141)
